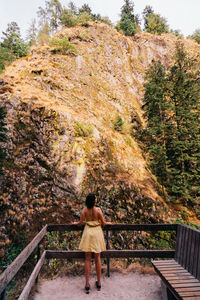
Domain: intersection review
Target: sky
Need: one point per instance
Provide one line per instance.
(180, 14)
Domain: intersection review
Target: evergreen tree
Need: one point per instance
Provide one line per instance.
(128, 21)
(32, 33)
(146, 12)
(54, 9)
(195, 36)
(154, 23)
(12, 46)
(72, 7)
(67, 18)
(2, 137)
(172, 134)
(85, 8)
(184, 147)
(13, 42)
(157, 109)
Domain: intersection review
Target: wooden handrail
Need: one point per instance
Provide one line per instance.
(115, 227)
(113, 254)
(14, 267)
(26, 291)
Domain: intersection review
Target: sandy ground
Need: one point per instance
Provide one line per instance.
(131, 286)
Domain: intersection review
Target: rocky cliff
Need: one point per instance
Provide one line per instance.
(64, 134)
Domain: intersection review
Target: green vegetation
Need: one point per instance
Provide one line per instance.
(12, 47)
(54, 15)
(196, 36)
(83, 129)
(128, 22)
(154, 23)
(63, 46)
(172, 137)
(118, 124)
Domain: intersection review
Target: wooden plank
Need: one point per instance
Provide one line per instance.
(168, 285)
(196, 254)
(186, 248)
(184, 280)
(111, 254)
(183, 235)
(165, 265)
(178, 243)
(168, 261)
(183, 294)
(175, 272)
(189, 257)
(188, 289)
(172, 268)
(134, 227)
(191, 298)
(12, 270)
(180, 276)
(190, 284)
(190, 227)
(198, 259)
(26, 291)
(169, 267)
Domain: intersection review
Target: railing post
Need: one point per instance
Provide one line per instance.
(3, 294)
(38, 257)
(108, 247)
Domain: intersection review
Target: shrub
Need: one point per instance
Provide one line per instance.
(62, 45)
(83, 129)
(68, 19)
(118, 124)
(196, 36)
(84, 18)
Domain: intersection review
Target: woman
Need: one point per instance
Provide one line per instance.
(92, 239)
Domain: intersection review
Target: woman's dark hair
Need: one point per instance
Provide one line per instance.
(90, 201)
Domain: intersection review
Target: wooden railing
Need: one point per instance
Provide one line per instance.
(11, 271)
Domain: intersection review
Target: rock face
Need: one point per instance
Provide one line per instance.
(64, 136)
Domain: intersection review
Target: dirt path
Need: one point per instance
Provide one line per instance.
(131, 286)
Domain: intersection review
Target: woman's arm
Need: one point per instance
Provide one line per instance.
(101, 217)
(81, 219)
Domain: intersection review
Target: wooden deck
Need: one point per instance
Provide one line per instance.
(11, 271)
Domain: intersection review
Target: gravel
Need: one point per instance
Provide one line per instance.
(131, 286)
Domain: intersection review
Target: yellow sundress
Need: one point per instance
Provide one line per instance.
(92, 239)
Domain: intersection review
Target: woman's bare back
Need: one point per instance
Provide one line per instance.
(92, 214)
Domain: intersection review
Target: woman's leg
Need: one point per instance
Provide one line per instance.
(87, 267)
(97, 258)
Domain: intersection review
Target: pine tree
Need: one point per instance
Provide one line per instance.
(12, 46)
(195, 36)
(184, 147)
(85, 8)
(54, 9)
(32, 33)
(13, 42)
(172, 134)
(156, 108)
(154, 23)
(72, 7)
(128, 21)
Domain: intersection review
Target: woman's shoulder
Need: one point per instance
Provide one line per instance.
(98, 209)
